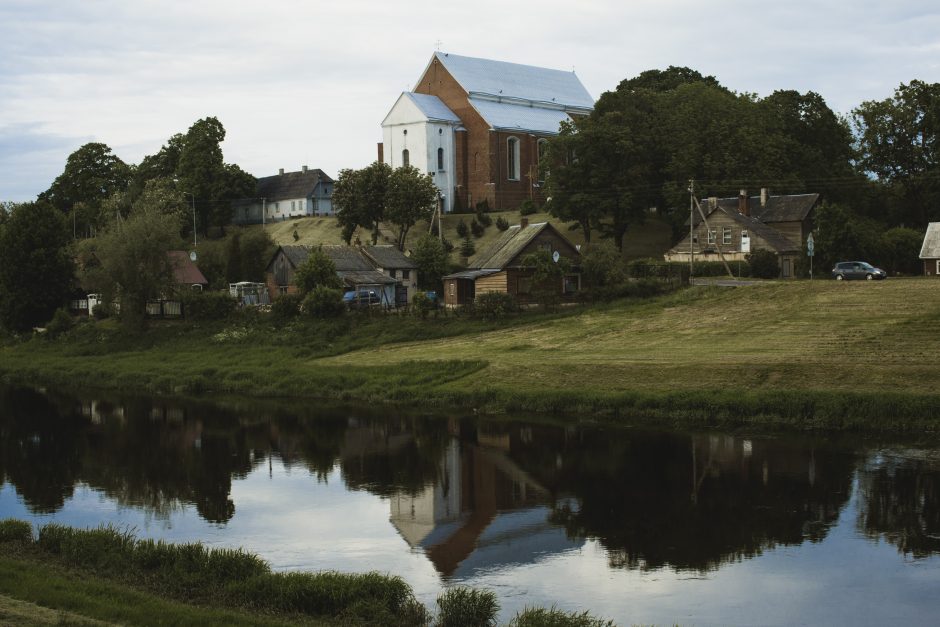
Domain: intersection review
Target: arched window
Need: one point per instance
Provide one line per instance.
(512, 159)
(405, 162)
(440, 159)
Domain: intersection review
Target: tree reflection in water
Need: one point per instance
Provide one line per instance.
(471, 491)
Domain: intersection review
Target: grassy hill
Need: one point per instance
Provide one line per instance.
(814, 353)
(651, 239)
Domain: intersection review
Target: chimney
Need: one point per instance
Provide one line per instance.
(280, 172)
(303, 168)
(764, 196)
(744, 208)
(381, 148)
(713, 202)
(523, 222)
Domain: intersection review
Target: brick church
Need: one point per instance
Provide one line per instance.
(479, 127)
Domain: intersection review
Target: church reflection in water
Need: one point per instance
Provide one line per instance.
(473, 494)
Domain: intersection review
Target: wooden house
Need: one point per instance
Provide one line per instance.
(500, 267)
(736, 226)
(930, 250)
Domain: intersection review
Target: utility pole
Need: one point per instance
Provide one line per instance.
(691, 229)
(263, 211)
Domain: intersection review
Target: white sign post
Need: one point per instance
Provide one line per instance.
(810, 251)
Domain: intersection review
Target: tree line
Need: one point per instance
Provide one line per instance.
(646, 140)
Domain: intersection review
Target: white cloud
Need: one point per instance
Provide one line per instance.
(297, 82)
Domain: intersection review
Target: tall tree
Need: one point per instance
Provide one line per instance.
(569, 184)
(36, 267)
(899, 142)
(410, 196)
(359, 197)
(430, 256)
(92, 174)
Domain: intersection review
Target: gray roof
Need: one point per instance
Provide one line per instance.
(772, 236)
(347, 259)
(433, 107)
(507, 247)
(388, 257)
(499, 78)
(515, 117)
(296, 255)
(365, 277)
(931, 246)
(290, 184)
(789, 208)
(470, 274)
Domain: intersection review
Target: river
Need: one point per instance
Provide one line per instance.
(635, 524)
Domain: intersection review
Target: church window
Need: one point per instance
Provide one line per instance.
(440, 159)
(512, 159)
(404, 158)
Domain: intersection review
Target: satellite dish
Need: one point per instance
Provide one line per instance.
(192, 256)
(556, 256)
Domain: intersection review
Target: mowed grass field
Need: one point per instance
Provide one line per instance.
(819, 335)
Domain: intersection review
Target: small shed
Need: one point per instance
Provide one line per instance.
(930, 250)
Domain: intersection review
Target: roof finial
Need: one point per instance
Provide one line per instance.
(437, 44)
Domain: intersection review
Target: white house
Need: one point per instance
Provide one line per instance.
(308, 192)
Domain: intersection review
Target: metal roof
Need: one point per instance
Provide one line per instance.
(515, 117)
(470, 274)
(500, 78)
(931, 246)
(433, 107)
(510, 243)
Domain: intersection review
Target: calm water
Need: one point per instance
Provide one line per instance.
(636, 525)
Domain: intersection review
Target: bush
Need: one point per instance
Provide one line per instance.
(764, 264)
(476, 228)
(495, 305)
(208, 305)
(324, 302)
(466, 607)
(462, 229)
(448, 245)
(541, 617)
(61, 323)
(501, 223)
(527, 208)
(483, 206)
(12, 530)
(484, 219)
(422, 305)
(285, 307)
(468, 248)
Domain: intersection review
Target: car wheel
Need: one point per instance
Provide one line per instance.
(839, 277)
(869, 277)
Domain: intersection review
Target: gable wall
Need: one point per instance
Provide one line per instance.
(550, 240)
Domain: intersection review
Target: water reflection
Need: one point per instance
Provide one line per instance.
(471, 494)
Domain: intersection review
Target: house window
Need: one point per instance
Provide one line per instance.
(726, 236)
(405, 162)
(453, 287)
(440, 159)
(406, 274)
(571, 284)
(512, 159)
(711, 236)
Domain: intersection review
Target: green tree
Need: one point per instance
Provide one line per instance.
(257, 247)
(411, 196)
(317, 270)
(901, 249)
(359, 197)
(36, 266)
(602, 266)
(429, 255)
(547, 276)
(841, 235)
(92, 174)
(899, 142)
(569, 185)
(134, 266)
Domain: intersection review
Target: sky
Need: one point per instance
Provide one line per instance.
(308, 82)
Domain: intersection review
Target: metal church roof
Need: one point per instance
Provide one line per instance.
(433, 107)
(501, 78)
(505, 116)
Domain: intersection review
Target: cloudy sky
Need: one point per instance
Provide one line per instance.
(308, 82)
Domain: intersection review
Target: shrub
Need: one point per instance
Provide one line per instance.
(467, 248)
(495, 305)
(476, 228)
(501, 223)
(61, 323)
(324, 302)
(484, 219)
(448, 245)
(483, 206)
(467, 607)
(285, 307)
(764, 264)
(462, 229)
(12, 530)
(541, 617)
(527, 208)
(208, 305)
(422, 304)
